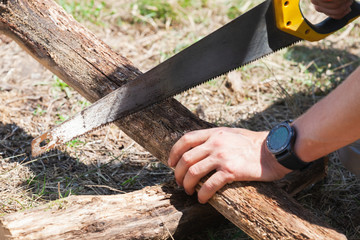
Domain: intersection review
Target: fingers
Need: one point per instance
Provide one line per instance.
(332, 4)
(188, 161)
(229, 154)
(185, 143)
(333, 9)
(333, 13)
(196, 172)
(212, 185)
(190, 155)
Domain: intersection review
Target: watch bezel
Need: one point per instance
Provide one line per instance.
(285, 154)
(289, 137)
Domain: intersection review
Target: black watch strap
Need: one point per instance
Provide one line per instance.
(287, 157)
(291, 161)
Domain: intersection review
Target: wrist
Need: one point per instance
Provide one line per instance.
(275, 167)
(280, 143)
(305, 147)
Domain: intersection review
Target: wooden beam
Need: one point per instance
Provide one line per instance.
(73, 53)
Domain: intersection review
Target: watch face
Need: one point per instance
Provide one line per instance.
(278, 139)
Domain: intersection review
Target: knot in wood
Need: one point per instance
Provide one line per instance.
(95, 227)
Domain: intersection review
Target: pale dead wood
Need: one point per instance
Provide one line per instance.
(150, 213)
(55, 39)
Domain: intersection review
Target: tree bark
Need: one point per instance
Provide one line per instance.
(150, 213)
(157, 212)
(55, 39)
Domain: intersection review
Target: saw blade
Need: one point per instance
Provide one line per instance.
(245, 39)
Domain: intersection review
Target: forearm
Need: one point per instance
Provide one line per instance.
(332, 123)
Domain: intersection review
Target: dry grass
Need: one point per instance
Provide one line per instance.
(257, 96)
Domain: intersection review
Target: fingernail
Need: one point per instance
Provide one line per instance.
(189, 192)
(202, 201)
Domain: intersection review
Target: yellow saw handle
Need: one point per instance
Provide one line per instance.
(289, 18)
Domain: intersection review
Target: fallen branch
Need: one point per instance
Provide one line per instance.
(150, 213)
(70, 51)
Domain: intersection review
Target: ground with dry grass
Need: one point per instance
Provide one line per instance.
(256, 97)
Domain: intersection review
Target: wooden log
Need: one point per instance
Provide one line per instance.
(56, 40)
(157, 212)
(296, 181)
(150, 213)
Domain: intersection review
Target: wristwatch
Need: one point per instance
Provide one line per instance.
(280, 142)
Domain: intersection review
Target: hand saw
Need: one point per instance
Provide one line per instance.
(268, 27)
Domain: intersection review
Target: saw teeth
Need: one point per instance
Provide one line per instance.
(254, 60)
(39, 150)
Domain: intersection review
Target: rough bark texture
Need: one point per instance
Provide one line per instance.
(55, 39)
(296, 181)
(150, 213)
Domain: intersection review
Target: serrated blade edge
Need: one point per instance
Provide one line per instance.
(245, 39)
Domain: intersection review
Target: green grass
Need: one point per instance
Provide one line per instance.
(39, 111)
(130, 181)
(155, 9)
(60, 86)
(42, 186)
(322, 69)
(238, 7)
(61, 118)
(86, 10)
(58, 203)
(38, 185)
(163, 11)
(75, 143)
(144, 11)
(193, 3)
(84, 104)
